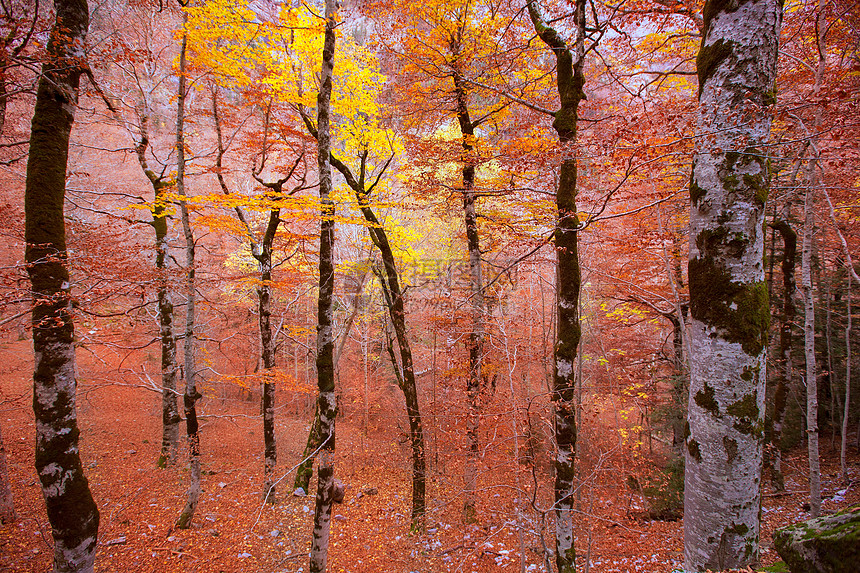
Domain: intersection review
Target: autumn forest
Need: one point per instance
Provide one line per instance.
(442, 286)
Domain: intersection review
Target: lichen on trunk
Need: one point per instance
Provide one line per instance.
(728, 294)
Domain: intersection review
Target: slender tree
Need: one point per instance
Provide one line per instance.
(570, 81)
(786, 321)
(191, 395)
(72, 512)
(393, 295)
(7, 502)
(261, 249)
(161, 186)
(327, 402)
(736, 67)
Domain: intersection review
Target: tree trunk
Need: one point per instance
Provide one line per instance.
(570, 81)
(72, 512)
(846, 411)
(728, 293)
(264, 298)
(476, 337)
(191, 394)
(306, 468)
(325, 333)
(7, 502)
(809, 352)
(783, 382)
(169, 410)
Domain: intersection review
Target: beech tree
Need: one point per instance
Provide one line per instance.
(736, 67)
(570, 79)
(189, 399)
(327, 402)
(72, 512)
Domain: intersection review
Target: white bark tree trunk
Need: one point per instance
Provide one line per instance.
(728, 295)
(809, 352)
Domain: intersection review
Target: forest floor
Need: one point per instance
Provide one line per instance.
(234, 532)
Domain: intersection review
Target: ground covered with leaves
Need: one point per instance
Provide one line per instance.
(233, 531)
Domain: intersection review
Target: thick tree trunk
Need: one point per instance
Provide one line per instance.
(72, 512)
(169, 410)
(325, 333)
(7, 502)
(783, 382)
(728, 293)
(191, 396)
(570, 81)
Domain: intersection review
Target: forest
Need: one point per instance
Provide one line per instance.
(441, 286)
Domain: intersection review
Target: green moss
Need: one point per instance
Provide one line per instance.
(769, 97)
(746, 412)
(738, 311)
(696, 192)
(695, 452)
(759, 186)
(705, 399)
(710, 57)
(739, 529)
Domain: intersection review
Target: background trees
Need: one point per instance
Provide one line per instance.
(451, 102)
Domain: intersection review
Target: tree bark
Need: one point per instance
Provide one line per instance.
(191, 394)
(736, 66)
(809, 352)
(327, 402)
(7, 502)
(570, 80)
(847, 411)
(72, 512)
(783, 382)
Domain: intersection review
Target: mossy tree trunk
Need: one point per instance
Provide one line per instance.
(327, 402)
(72, 513)
(161, 185)
(189, 399)
(786, 322)
(570, 80)
(736, 66)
